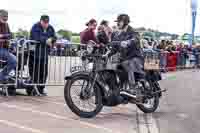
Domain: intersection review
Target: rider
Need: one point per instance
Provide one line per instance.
(5, 55)
(132, 59)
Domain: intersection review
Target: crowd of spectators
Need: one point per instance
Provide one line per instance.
(173, 54)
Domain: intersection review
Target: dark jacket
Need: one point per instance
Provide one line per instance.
(40, 35)
(87, 35)
(5, 30)
(134, 49)
(102, 37)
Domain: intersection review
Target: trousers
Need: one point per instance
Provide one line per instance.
(132, 67)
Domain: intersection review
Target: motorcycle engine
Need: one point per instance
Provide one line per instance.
(112, 91)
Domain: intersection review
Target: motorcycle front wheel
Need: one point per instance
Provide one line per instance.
(84, 101)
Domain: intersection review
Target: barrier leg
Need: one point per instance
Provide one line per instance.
(5, 91)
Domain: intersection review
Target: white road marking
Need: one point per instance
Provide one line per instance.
(47, 101)
(22, 127)
(147, 123)
(56, 117)
(141, 123)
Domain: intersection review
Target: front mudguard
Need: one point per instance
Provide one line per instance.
(87, 74)
(76, 74)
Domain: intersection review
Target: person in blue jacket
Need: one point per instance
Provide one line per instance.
(44, 34)
(5, 55)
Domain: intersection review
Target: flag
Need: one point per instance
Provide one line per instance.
(194, 14)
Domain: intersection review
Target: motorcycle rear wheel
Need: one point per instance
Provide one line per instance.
(148, 107)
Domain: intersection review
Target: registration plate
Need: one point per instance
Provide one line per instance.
(76, 68)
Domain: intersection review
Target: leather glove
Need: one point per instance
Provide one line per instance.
(105, 56)
(54, 40)
(124, 44)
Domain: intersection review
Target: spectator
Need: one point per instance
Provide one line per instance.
(173, 48)
(104, 33)
(44, 33)
(155, 45)
(144, 43)
(5, 55)
(147, 45)
(89, 33)
(184, 56)
(196, 53)
(162, 45)
(180, 56)
(179, 47)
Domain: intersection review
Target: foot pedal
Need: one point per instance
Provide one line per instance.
(159, 91)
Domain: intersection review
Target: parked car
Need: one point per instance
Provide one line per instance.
(64, 47)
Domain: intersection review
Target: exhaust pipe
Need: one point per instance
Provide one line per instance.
(128, 94)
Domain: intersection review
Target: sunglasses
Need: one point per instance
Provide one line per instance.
(46, 21)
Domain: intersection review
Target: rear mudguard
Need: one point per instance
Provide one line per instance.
(157, 89)
(153, 76)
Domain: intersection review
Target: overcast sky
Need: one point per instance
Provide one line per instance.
(165, 15)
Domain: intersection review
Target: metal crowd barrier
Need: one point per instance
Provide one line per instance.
(38, 65)
(47, 66)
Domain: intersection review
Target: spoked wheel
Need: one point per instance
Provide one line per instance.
(84, 100)
(149, 105)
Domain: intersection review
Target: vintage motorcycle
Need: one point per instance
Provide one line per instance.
(106, 84)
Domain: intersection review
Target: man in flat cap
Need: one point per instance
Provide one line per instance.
(5, 55)
(44, 33)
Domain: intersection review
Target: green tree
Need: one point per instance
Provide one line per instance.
(186, 36)
(76, 39)
(141, 29)
(149, 34)
(21, 33)
(75, 34)
(65, 34)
